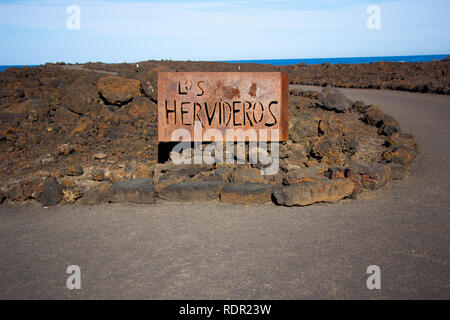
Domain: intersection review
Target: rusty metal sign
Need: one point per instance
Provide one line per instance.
(241, 101)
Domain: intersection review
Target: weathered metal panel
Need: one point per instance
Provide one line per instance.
(223, 100)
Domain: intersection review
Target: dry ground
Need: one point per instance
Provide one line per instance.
(223, 251)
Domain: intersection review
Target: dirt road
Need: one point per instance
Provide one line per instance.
(223, 251)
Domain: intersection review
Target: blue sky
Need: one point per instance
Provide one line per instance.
(35, 32)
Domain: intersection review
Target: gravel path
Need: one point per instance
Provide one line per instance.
(224, 251)
(83, 68)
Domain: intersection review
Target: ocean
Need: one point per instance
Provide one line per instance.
(285, 62)
(17, 66)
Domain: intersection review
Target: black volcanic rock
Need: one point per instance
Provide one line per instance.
(52, 192)
(81, 97)
(333, 99)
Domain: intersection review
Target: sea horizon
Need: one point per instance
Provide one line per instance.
(345, 60)
(310, 61)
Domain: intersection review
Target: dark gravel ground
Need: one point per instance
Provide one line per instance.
(253, 252)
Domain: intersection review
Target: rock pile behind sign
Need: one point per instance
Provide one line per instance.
(74, 136)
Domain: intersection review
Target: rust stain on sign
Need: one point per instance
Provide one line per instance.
(223, 100)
